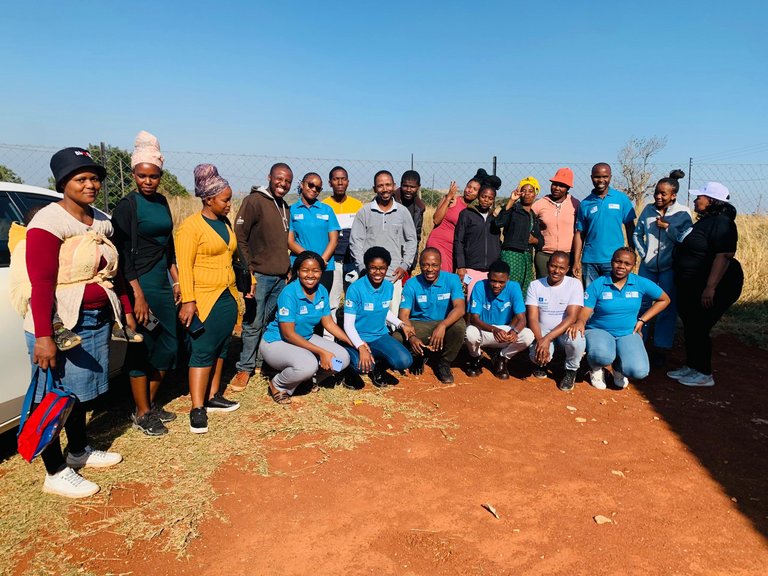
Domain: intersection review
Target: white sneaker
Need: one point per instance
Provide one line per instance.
(68, 483)
(597, 379)
(679, 373)
(93, 459)
(696, 378)
(619, 380)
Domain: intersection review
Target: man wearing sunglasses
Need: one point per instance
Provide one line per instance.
(388, 224)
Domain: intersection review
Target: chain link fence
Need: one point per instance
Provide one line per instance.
(30, 164)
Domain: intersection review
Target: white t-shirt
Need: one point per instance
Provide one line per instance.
(553, 300)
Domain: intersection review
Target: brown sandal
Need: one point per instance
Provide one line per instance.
(280, 397)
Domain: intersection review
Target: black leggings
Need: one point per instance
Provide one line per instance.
(699, 321)
(52, 456)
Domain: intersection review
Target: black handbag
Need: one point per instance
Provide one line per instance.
(243, 279)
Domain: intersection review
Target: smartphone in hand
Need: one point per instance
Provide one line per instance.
(152, 322)
(196, 326)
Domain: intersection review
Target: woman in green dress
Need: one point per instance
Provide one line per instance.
(144, 234)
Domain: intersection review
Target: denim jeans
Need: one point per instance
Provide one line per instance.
(574, 349)
(591, 271)
(259, 312)
(386, 351)
(626, 353)
(664, 323)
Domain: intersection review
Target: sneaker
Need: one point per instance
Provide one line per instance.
(568, 381)
(597, 379)
(220, 404)
(68, 483)
(91, 458)
(473, 367)
(164, 415)
(378, 378)
(696, 378)
(680, 372)
(500, 367)
(198, 421)
(125, 334)
(619, 380)
(540, 372)
(443, 372)
(353, 381)
(150, 424)
(239, 381)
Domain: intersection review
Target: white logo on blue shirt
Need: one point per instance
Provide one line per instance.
(421, 298)
(593, 210)
(607, 295)
(320, 305)
(444, 296)
(303, 310)
(633, 294)
(349, 304)
(298, 216)
(368, 306)
(322, 216)
(284, 311)
(386, 303)
(614, 206)
(506, 305)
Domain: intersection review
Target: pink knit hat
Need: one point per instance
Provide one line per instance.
(146, 149)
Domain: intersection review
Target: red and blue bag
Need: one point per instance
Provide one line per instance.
(38, 429)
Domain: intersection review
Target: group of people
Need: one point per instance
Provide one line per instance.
(335, 293)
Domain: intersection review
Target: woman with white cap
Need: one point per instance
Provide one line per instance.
(708, 279)
(144, 237)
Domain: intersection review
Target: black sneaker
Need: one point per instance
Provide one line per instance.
(473, 367)
(443, 373)
(540, 372)
(198, 421)
(378, 378)
(568, 381)
(500, 367)
(163, 414)
(352, 381)
(150, 424)
(220, 404)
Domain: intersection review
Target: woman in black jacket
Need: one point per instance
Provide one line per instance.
(708, 279)
(476, 243)
(522, 234)
(144, 237)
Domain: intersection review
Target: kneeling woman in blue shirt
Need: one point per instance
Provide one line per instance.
(289, 344)
(366, 313)
(612, 324)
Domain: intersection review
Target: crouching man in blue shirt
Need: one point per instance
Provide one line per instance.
(433, 303)
(497, 320)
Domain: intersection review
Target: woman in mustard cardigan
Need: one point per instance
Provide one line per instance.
(205, 244)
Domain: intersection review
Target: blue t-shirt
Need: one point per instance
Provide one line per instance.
(496, 310)
(370, 306)
(431, 301)
(616, 311)
(311, 225)
(294, 306)
(602, 221)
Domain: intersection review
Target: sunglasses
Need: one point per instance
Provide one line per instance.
(314, 187)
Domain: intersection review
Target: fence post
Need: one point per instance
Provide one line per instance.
(494, 165)
(690, 169)
(411, 160)
(104, 185)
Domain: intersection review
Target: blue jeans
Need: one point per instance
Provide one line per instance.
(591, 271)
(260, 310)
(664, 327)
(574, 349)
(626, 353)
(386, 351)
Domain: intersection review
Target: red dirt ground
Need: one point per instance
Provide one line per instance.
(680, 472)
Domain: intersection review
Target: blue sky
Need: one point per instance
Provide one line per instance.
(562, 82)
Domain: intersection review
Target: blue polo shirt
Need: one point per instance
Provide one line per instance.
(431, 302)
(311, 225)
(602, 221)
(294, 306)
(497, 310)
(616, 311)
(370, 306)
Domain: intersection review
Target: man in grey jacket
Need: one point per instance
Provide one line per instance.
(388, 224)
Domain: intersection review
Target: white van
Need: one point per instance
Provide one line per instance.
(15, 201)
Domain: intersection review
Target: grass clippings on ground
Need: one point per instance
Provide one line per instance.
(162, 491)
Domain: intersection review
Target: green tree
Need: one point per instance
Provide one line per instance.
(8, 175)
